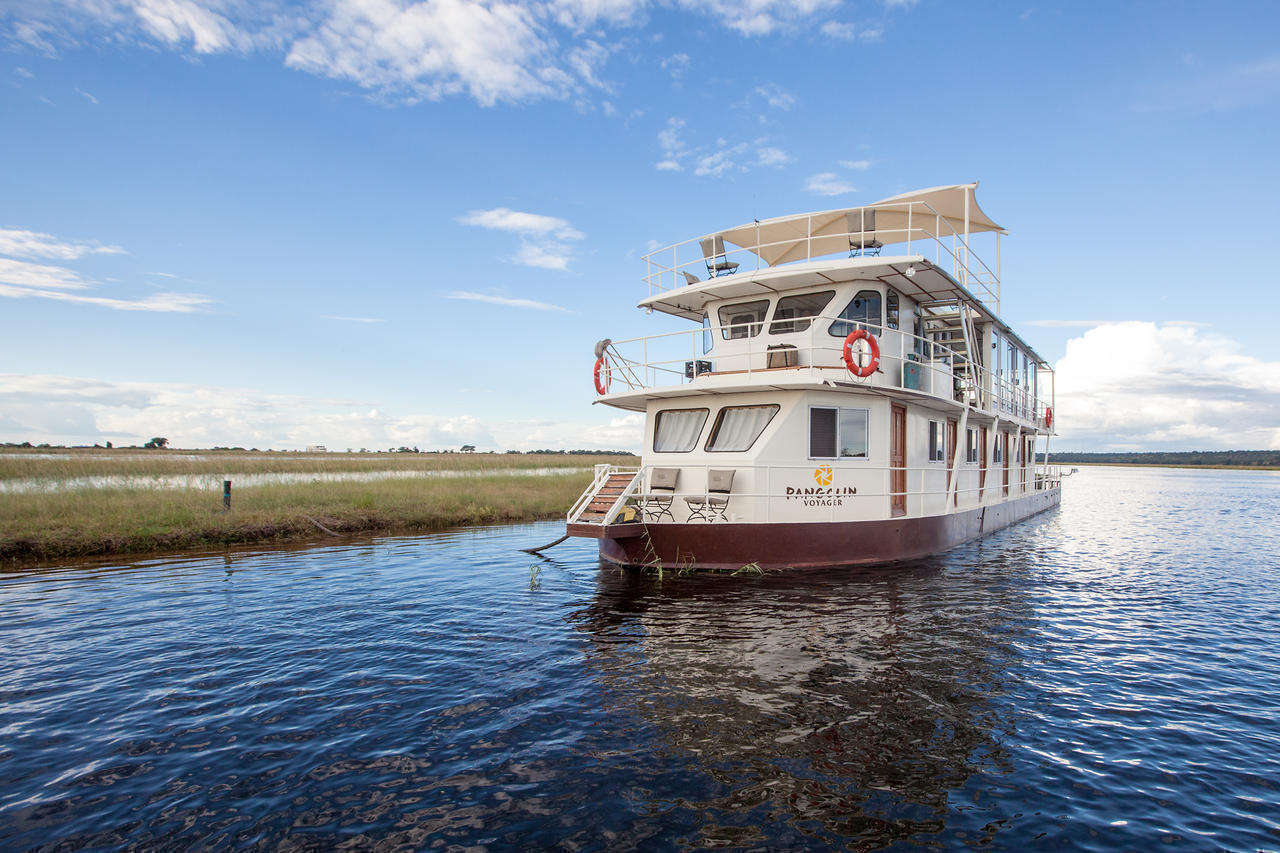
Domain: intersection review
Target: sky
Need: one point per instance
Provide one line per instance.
(374, 223)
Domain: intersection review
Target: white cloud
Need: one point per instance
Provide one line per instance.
(845, 31)
(25, 274)
(353, 319)
(1224, 89)
(25, 280)
(505, 301)
(34, 244)
(86, 95)
(775, 96)
(544, 240)
(493, 51)
(856, 165)
(723, 159)
(828, 183)
(769, 156)
(63, 409)
(668, 166)
(1138, 385)
(23, 72)
(676, 65)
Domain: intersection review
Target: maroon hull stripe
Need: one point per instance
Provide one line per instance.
(818, 544)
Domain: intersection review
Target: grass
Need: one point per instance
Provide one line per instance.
(62, 464)
(41, 527)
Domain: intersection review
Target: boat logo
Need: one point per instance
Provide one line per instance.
(823, 475)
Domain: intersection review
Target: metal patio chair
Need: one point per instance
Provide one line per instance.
(656, 503)
(861, 223)
(714, 506)
(713, 255)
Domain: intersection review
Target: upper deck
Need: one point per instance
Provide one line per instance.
(781, 295)
(942, 224)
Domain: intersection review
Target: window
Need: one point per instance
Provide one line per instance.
(838, 433)
(743, 320)
(998, 456)
(677, 430)
(862, 313)
(921, 345)
(738, 427)
(970, 445)
(937, 443)
(795, 313)
(706, 334)
(1013, 363)
(891, 308)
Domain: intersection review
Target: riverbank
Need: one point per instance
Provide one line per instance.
(57, 525)
(1053, 461)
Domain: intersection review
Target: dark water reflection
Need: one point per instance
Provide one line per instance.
(1105, 675)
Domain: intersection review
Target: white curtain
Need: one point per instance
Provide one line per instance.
(677, 430)
(740, 426)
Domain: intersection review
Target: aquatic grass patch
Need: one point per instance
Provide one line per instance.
(45, 526)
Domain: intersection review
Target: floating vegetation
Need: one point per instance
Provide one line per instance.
(535, 577)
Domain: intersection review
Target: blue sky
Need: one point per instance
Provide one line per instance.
(272, 225)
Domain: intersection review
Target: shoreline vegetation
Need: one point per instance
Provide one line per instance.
(1259, 459)
(60, 525)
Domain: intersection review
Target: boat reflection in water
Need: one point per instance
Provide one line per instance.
(848, 704)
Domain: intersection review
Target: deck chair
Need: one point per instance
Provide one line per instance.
(656, 503)
(861, 224)
(713, 254)
(712, 507)
(689, 278)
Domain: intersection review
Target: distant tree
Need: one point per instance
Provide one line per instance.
(156, 443)
(110, 445)
(468, 448)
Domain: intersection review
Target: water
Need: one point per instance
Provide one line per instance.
(1105, 675)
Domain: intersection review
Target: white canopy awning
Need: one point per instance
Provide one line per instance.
(933, 212)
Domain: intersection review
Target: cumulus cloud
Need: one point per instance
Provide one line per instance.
(828, 183)
(505, 301)
(544, 240)
(721, 157)
(72, 410)
(1138, 385)
(34, 244)
(776, 96)
(490, 50)
(856, 165)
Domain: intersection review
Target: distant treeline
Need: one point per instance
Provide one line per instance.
(1175, 457)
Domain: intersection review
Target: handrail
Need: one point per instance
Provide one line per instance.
(965, 261)
(995, 391)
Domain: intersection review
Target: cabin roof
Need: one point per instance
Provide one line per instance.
(896, 219)
(927, 284)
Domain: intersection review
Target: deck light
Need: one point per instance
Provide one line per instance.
(911, 271)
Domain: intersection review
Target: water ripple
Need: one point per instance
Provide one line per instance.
(1106, 675)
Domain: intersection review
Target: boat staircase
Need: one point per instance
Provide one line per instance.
(600, 503)
(953, 326)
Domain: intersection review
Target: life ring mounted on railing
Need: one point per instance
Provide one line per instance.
(1048, 417)
(873, 364)
(603, 376)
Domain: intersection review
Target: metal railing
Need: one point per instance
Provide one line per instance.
(925, 227)
(939, 370)
(989, 488)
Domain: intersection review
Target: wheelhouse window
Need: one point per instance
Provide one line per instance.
(744, 320)
(863, 312)
(738, 427)
(677, 430)
(838, 433)
(891, 311)
(970, 445)
(796, 313)
(706, 334)
(937, 443)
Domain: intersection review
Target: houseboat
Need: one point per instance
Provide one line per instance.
(846, 394)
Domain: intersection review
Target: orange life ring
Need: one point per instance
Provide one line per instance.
(1048, 417)
(873, 365)
(602, 386)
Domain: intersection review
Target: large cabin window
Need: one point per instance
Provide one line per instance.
(838, 433)
(738, 427)
(677, 430)
(796, 313)
(863, 312)
(744, 320)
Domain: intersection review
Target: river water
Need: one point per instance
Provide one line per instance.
(1105, 675)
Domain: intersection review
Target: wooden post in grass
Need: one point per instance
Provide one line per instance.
(226, 495)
